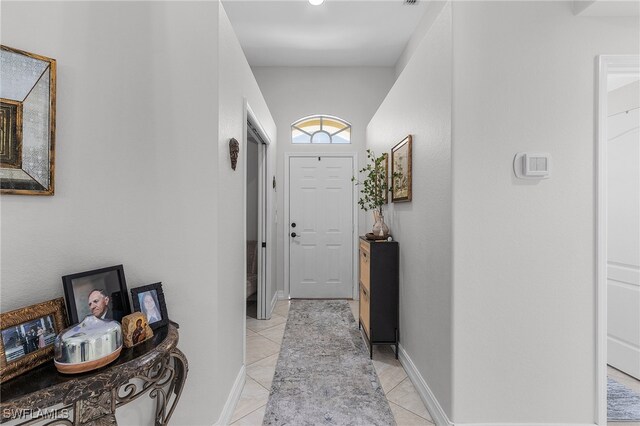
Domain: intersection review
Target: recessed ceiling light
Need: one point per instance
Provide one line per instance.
(316, 2)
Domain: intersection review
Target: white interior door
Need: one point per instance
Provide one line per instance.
(623, 232)
(321, 227)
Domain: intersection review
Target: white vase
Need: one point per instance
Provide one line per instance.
(380, 229)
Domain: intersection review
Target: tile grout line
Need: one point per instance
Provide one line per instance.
(406, 409)
(387, 393)
(263, 387)
(237, 420)
(272, 341)
(262, 359)
(268, 328)
(401, 406)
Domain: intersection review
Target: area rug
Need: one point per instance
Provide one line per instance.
(324, 375)
(623, 404)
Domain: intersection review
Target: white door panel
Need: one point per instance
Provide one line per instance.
(321, 206)
(623, 243)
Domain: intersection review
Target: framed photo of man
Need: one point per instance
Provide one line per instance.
(101, 293)
(149, 300)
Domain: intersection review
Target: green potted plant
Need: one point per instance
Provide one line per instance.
(373, 192)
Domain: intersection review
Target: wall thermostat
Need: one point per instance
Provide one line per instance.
(532, 165)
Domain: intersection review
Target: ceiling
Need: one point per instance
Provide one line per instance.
(336, 33)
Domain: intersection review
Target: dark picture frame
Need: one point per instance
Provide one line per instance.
(23, 346)
(142, 297)
(386, 177)
(401, 171)
(80, 286)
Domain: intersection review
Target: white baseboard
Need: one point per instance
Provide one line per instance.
(274, 300)
(438, 415)
(433, 406)
(281, 295)
(232, 400)
(525, 424)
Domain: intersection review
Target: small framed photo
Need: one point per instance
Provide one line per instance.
(401, 171)
(149, 300)
(101, 293)
(28, 335)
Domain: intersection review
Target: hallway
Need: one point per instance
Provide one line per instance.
(503, 301)
(263, 346)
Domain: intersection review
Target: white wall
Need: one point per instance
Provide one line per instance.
(236, 83)
(136, 175)
(426, 22)
(420, 104)
(523, 297)
(144, 91)
(524, 286)
(352, 94)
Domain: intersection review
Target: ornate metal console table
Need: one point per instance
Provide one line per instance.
(43, 395)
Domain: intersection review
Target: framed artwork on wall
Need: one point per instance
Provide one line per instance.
(401, 171)
(28, 335)
(101, 293)
(386, 177)
(27, 122)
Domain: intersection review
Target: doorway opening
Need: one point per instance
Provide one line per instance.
(253, 239)
(618, 236)
(257, 216)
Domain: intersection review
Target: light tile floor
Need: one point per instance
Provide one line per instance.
(263, 347)
(628, 381)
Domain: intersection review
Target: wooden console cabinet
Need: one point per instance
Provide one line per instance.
(379, 297)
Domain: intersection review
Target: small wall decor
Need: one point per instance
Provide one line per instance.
(135, 329)
(27, 122)
(28, 335)
(149, 300)
(401, 170)
(101, 293)
(234, 150)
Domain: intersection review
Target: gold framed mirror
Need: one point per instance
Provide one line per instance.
(27, 122)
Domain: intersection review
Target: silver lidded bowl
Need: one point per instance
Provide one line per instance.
(91, 344)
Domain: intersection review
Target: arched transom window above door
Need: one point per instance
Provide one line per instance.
(321, 129)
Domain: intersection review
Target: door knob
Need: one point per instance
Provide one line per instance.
(293, 235)
(293, 224)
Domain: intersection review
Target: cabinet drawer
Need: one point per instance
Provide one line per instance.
(365, 309)
(365, 270)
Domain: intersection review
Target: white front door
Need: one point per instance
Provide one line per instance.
(320, 227)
